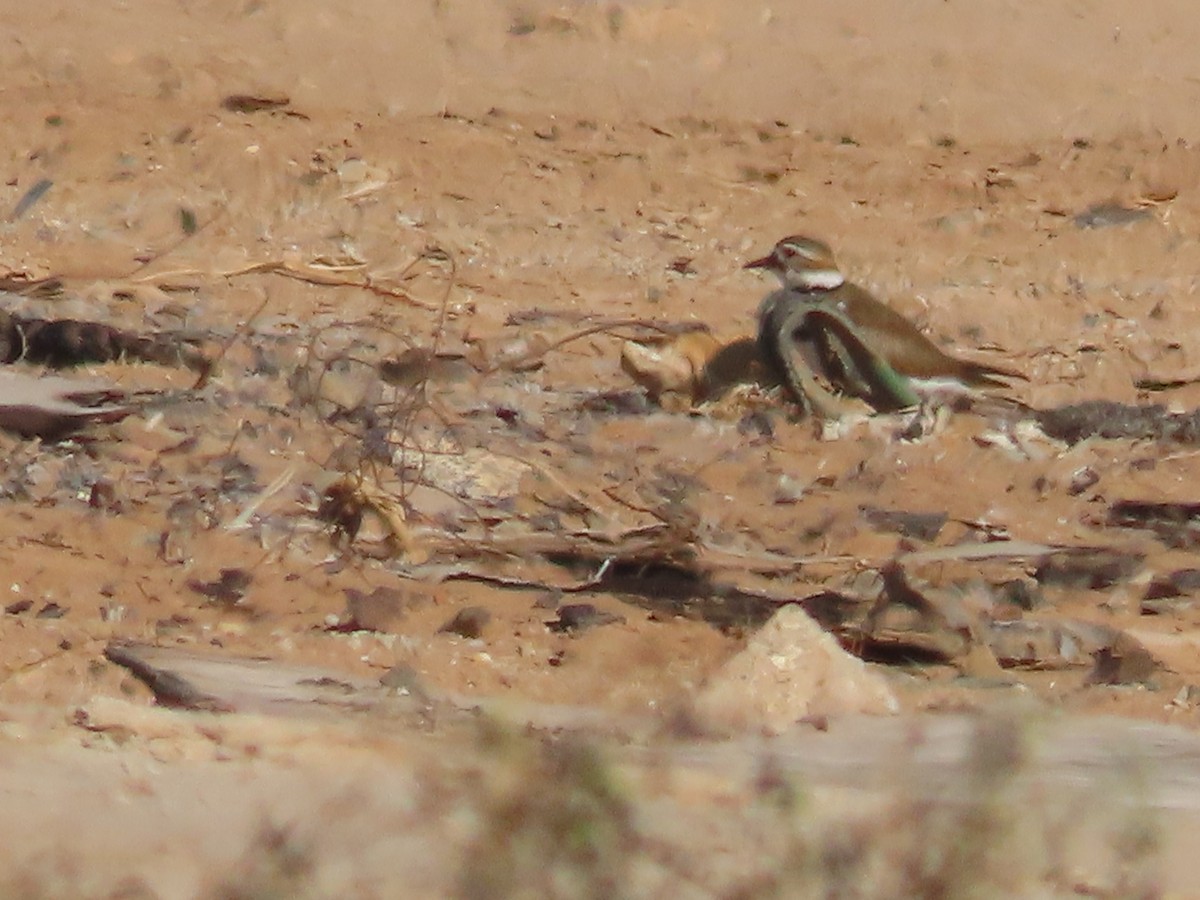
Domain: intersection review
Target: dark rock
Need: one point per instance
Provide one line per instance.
(1177, 583)
(1041, 646)
(418, 365)
(1110, 420)
(468, 622)
(250, 103)
(1104, 419)
(379, 610)
(1175, 524)
(1092, 570)
(1125, 662)
(1170, 594)
(404, 679)
(103, 496)
(618, 403)
(1108, 214)
(835, 610)
(229, 588)
(1167, 606)
(548, 600)
(1024, 593)
(1082, 480)
(911, 624)
(924, 526)
(757, 424)
(580, 616)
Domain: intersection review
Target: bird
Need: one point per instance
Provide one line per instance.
(813, 282)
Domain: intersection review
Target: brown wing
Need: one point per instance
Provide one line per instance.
(904, 346)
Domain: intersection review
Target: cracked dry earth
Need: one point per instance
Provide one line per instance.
(319, 247)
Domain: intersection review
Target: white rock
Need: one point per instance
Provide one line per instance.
(790, 669)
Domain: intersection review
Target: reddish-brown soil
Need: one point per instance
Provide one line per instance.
(617, 160)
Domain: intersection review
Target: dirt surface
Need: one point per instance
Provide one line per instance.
(490, 183)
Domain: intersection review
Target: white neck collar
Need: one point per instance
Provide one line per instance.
(816, 279)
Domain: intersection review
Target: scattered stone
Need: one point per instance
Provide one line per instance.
(1114, 421)
(581, 616)
(521, 26)
(404, 679)
(245, 104)
(418, 365)
(379, 610)
(1081, 480)
(1167, 606)
(923, 526)
(468, 622)
(1046, 646)
(548, 600)
(682, 265)
(524, 353)
(1173, 651)
(237, 475)
(1177, 583)
(617, 403)
(30, 197)
(21, 606)
(1088, 569)
(1124, 662)
(912, 624)
(1187, 697)
(229, 588)
(51, 611)
(790, 671)
(837, 611)
(1175, 524)
(1170, 593)
(1101, 418)
(1108, 214)
(103, 496)
(1023, 593)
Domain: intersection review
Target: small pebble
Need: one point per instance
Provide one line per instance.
(468, 622)
(579, 616)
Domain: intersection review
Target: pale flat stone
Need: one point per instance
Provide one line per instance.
(790, 669)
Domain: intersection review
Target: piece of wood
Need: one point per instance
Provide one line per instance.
(52, 408)
(189, 679)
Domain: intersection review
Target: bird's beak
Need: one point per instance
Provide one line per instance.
(765, 263)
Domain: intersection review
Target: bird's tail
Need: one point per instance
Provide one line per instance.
(996, 376)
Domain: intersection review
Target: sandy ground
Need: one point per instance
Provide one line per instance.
(485, 165)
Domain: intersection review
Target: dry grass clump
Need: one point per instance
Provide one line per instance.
(555, 822)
